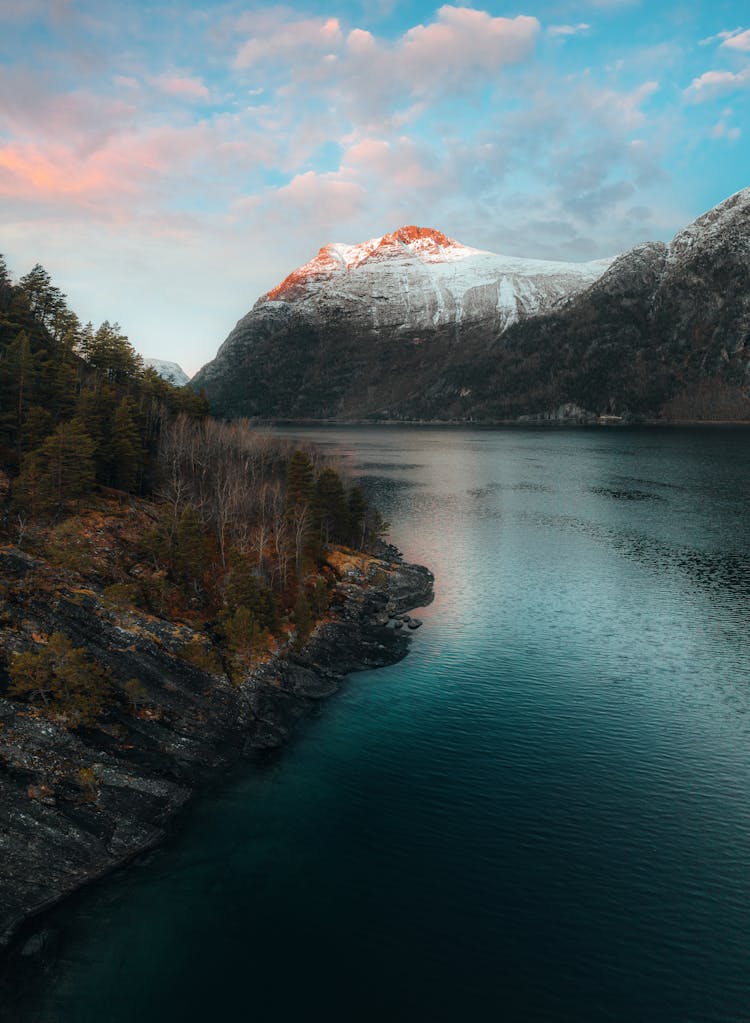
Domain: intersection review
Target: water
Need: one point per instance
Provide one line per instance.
(543, 813)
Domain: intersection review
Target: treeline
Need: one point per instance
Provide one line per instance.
(235, 522)
(77, 407)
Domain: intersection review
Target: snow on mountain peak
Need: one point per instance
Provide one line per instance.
(423, 243)
(170, 371)
(418, 277)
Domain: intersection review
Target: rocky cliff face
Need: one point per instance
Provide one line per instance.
(318, 343)
(415, 326)
(75, 804)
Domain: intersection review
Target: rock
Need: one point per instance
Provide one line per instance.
(56, 832)
(414, 623)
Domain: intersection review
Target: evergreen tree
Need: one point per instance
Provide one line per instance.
(95, 408)
(20, 369)
(244, 633)
(45, 300)
(192, 548)
(109, 351)
(61, 469)
(38, 424)
(300, 480)
(127, 451)
(246, 589)
(357, 513)
(302, 619)
(63, 678)
(331, 512)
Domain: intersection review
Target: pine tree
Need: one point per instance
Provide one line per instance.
(127, 450)
(302, 619)
(244, 633)
(192, 548)
(331, 512)
(246, 589)
(63, 678)
(61, 469)
(357, 512)
(300, 479)
(45, 300)
(109, 351)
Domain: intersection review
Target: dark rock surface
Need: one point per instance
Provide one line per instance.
(75, 805)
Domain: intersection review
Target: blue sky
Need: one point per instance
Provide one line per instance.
(168, 163)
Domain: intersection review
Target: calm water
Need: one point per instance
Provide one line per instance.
(543, 813)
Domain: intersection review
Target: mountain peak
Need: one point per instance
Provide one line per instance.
(425, 244)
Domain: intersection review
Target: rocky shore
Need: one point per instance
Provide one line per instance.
(74, 805)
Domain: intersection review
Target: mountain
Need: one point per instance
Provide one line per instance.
(311, 346)
(416, 326)
(664, 333)
(169, 371)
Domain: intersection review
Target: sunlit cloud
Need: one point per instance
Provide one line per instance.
(711, 84)
(182, 86)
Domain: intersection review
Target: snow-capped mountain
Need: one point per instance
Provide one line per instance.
(418, 277)
(170, 371)
(417, 326)
(335, 315)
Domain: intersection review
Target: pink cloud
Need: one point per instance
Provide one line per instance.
(28, 171)
(400, 163)
(713, 83)
(182, 87)
(326, 196)
(462, 41)
(308, 37)
(367, 75)
(738, 41)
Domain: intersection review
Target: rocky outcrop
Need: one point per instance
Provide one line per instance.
(663, 332)
(74, 805)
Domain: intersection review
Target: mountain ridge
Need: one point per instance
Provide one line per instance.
(414, 325)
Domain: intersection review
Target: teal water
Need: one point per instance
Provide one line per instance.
(543, 813)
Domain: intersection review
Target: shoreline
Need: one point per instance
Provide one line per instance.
(55, 844)
(490, 424)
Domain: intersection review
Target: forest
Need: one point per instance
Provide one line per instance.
(122, 482)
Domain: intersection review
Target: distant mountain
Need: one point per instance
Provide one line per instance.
(170, 371)
(416, 326)
(317, 344)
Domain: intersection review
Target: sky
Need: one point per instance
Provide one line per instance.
(169, 163)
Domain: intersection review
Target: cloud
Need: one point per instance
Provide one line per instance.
(182, 87)
(567, 30)
(286, 41)
(462, 39)
(711, 84)
(370, 76)
(324, 196)
(403, 163)
(719, 37)
(738, 41)
(724, 130)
